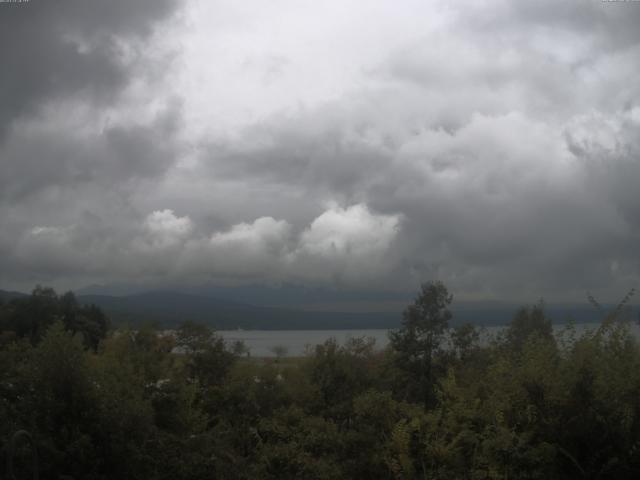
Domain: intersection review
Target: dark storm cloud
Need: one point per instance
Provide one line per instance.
(511, 149)
(498, 150)
(65, 64)
(613, 27)
(324, 150)
(40, 155)
(74, 144)
(54, 49)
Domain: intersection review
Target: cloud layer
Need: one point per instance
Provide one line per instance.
(492, 145)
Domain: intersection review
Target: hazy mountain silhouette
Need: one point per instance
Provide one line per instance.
(6, 295)
(168, 308)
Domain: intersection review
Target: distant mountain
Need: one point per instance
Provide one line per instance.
(5, 295)
(326, 304)
(297, 296)
(114, 289)
(283, 295)
(170, 308)
(501, 313)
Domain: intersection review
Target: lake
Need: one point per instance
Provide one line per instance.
(261, 342)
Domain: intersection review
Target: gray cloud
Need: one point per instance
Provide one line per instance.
(341, 245)
(498, 150)
(52, 50)
(50, 152)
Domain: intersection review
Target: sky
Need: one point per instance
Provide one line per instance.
(343, 144)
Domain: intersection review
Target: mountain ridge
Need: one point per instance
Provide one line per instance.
(167, 308)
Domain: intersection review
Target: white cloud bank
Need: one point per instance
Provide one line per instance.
(349, 244)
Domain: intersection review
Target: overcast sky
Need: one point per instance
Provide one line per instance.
(493, 145)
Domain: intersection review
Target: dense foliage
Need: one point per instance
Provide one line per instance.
(437, 404)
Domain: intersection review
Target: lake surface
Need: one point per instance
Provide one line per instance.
(296, 342)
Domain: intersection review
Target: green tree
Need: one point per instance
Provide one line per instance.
(464, 339)
(207, 358)
(280, 351)
(527, 322)
(420, 337)
(339, 373)
(87, 320)
(293, 445)
(31, 316)
(63, 401)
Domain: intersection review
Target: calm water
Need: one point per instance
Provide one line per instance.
(261, 342)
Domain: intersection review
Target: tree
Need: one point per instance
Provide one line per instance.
(31, 316)
(88, 320)
(64, 405)
(280, 351)
(464, 339)
(239, 348)
(207, 358)
(424, 324)
(194, 337)
(527, 322)
(340, 373)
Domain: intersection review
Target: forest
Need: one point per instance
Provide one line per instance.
(437, 403)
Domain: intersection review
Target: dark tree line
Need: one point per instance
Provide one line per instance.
(438, 403)
(30, 317)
